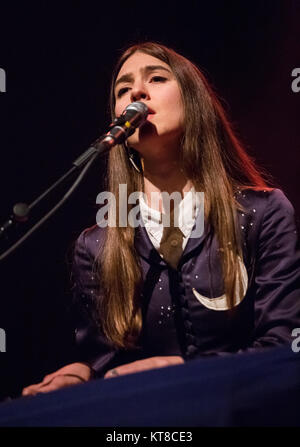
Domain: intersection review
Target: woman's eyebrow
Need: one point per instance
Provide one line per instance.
(150, 68)
(128, 77)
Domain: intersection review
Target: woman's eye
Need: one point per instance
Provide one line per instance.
(122, 91)
(158, 79)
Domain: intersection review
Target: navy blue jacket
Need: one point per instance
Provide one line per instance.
(183, 310)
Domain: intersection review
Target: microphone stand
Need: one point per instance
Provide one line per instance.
(85, 160)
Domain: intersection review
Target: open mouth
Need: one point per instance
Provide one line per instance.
(150, 113)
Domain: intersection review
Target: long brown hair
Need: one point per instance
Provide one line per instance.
(212, 158)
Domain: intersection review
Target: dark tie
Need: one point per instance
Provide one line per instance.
(171, 243)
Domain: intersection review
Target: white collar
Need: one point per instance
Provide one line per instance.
(188, 209)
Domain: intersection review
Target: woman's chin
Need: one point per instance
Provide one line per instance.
(142, 135)
(147, 129)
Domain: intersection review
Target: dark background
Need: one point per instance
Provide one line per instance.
(58, 61)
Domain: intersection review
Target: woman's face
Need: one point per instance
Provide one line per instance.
(145, 78)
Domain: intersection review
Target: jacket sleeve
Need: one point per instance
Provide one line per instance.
(276, 288)
(92, 347)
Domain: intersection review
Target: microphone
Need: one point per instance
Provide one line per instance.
(134, 115)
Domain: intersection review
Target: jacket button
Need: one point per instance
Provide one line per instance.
(190, 339)
(191, 350)
(187, 325)
(184, 313)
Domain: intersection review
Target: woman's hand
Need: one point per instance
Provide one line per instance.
(69, 375)
(143, 365)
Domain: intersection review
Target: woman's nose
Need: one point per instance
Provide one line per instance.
(139, 91)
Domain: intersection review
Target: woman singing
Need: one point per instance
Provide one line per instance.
(157, 295)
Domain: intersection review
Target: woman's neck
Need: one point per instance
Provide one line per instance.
(163, 177)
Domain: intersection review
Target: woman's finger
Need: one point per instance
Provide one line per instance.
(33, 389)
(55, 383)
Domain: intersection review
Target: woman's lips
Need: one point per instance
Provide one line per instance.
(150, 113)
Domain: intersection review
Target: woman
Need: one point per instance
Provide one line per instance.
(154, 296)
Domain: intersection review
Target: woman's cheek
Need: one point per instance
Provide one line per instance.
(120, 106)
(118, 110)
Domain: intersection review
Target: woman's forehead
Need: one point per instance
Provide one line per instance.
(139, 60)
